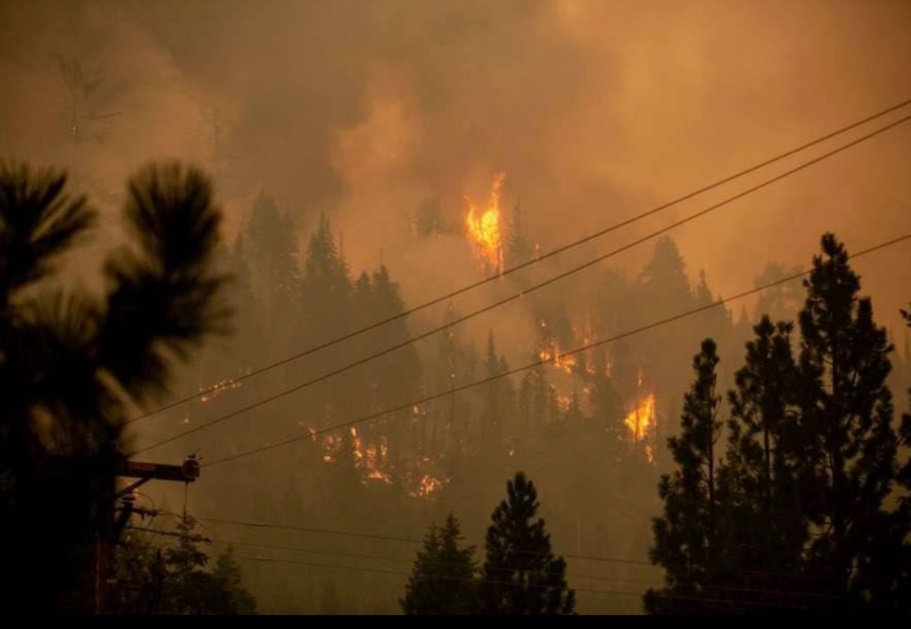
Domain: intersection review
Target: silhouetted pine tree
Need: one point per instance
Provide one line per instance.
(442, 581)
(846, 415)
(685, 536)
(763, 527)
(521, 576)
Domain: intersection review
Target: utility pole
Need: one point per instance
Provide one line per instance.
(109, 530)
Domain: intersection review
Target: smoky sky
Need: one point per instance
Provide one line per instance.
(595, 110)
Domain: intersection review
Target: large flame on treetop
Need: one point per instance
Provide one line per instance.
(484, 228)
(641, 422)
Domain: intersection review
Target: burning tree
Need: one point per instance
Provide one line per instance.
(484, 228)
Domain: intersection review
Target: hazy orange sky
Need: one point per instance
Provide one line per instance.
(595, 109)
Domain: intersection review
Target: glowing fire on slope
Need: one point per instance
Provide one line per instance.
(552, 354)
(428, 485)
(484, 228)
(641, 422)
(218, 389)
(371, 462)
(369, 459)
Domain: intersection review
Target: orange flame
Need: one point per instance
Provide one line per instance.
(216, 390)
(485, 229)
(552, 355)
(428, 485)
(641, 422)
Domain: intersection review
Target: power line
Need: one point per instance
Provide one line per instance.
(417, 542)
(529, 263)
(400, 573)
(592, 577)
(312, 435)
(524, 292)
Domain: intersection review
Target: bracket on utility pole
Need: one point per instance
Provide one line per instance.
(110, 529)
(186, 473)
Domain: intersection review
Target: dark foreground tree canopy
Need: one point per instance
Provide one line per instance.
(808, 509)
(520, 575)
(72, 362)
(442, 581)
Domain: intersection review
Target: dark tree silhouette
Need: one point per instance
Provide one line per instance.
(442, 581)
(521, 576)
(685, 536)
(174, 579)
(804, 513)
(71, 365)
(846, 410)
(763, 527)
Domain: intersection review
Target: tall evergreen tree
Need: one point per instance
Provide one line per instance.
(519, 249)
(846, 411)
(269, 246)
(685, 536)
(521, 576)
(442, 581)
(495, 398)
(662, 291)
(764, 527)
(537, 399)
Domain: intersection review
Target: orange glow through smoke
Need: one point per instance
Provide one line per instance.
(484, 228)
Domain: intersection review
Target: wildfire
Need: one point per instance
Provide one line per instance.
(641, 421)
(428, 485)
(552, 354)
(220, 387)
(371, 457)
(484, 229)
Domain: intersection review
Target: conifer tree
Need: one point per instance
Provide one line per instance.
(442, 581)
(519, 249)
(764, 527)
(521, 576)
(685, 536)
(846, 412)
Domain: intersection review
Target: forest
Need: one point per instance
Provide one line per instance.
(776, 481)
(527, 307)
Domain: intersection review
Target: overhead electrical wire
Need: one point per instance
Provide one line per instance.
(522, 293)
(314, 434)
(580, 577)
(518, 267)
(729, 601)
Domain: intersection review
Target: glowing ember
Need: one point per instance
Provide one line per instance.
(219, 387)
(484, 229)
(428, 485)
